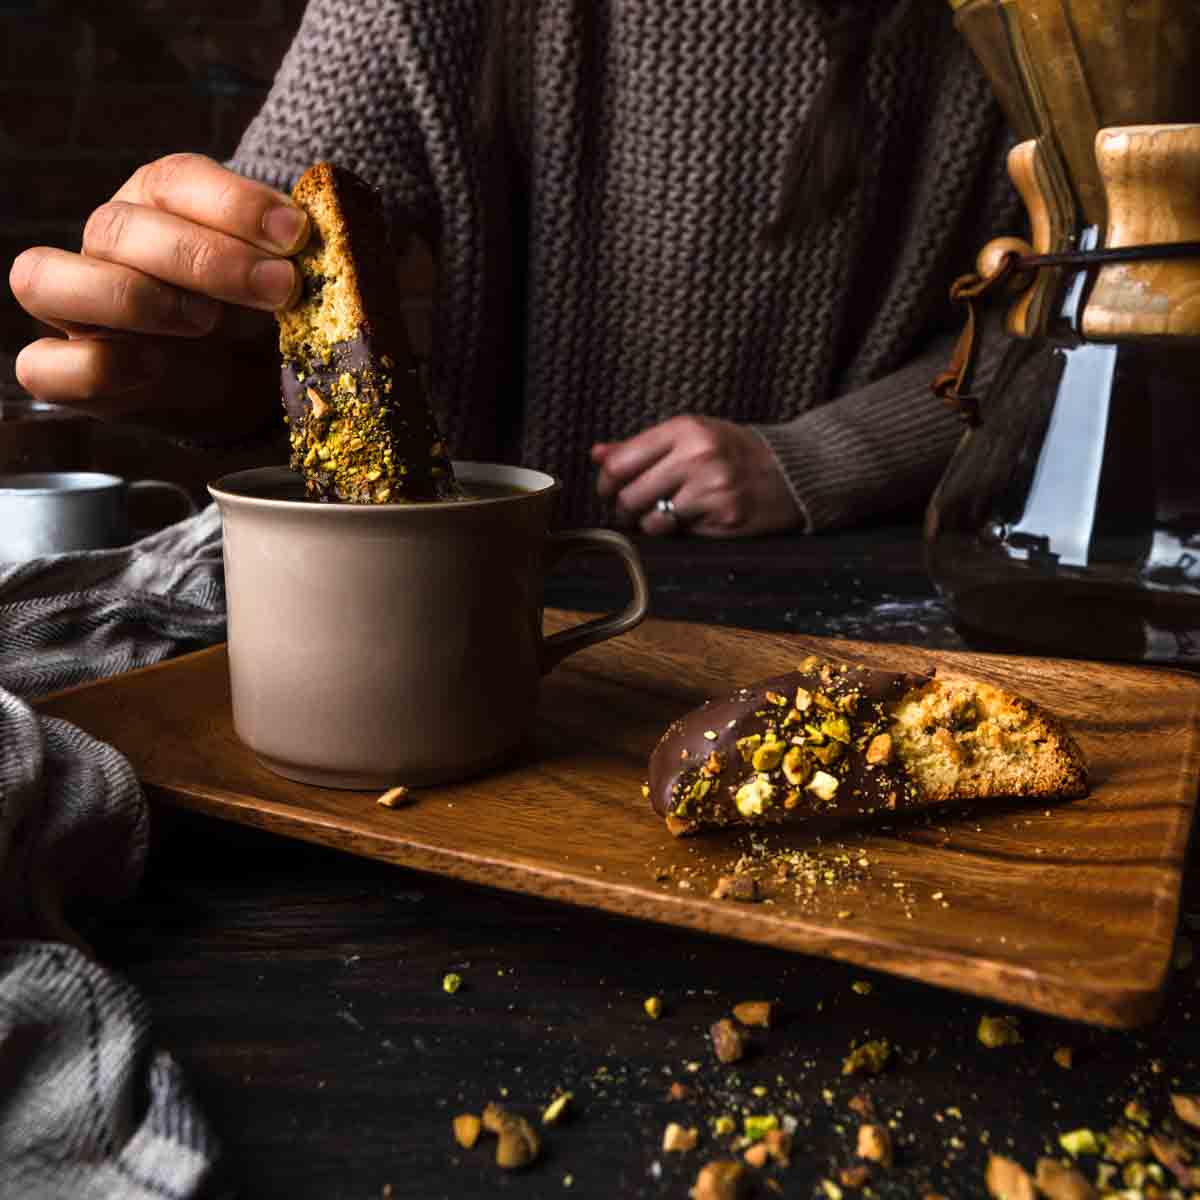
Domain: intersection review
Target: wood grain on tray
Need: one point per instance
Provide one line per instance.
(1070, 909)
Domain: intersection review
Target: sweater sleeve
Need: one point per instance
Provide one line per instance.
(876, 448)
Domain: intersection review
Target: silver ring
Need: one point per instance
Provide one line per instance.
(666, 506)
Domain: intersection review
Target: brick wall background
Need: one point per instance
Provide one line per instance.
(90, 89)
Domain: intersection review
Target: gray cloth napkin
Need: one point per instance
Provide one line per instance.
(88, 1107)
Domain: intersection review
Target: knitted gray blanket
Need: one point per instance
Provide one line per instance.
(88, 1108)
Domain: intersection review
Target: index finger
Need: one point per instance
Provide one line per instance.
(625, 460)
(201, 190)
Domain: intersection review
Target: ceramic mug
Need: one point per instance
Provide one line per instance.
(376, 645)
(54, 512)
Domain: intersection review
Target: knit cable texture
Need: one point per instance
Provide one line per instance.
(653, 151)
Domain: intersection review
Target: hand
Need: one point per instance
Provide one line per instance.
(723, 478)
(185, 247)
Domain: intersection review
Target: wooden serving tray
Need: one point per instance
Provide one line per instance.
(1069, 909)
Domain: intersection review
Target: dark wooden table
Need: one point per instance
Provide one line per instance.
(302, 988)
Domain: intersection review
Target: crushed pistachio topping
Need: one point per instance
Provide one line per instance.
(345, 440)
(837, 728)
(752, 798)
(823, 785)
(698, 790)
(801, 749)
(797, 767)
(769, 754)
(880, 750)
(747, 746)
(351, 441)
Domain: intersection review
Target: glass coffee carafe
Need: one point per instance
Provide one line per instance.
(1068, 521)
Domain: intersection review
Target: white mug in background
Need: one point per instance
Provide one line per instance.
(53, 512)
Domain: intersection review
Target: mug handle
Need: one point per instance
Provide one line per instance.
(161, 485)
(558, 545)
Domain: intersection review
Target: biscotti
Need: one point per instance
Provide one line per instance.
(832, 740)
(360, 428)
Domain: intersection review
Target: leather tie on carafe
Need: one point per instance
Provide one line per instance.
(953, 385)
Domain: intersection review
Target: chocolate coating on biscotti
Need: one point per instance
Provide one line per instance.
(361, 430)
(809, 743)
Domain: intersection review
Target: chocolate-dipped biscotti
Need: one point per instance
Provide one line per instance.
(835, 741)
(361, 430)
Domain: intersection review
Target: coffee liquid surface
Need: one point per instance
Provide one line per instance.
(293, 490)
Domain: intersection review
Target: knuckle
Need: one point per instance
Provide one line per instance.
(124, 300)
(228, 204)
(706, 442)
(733, 513)
(195, 257)
(160, 177)
(106, 228)
(722, 477)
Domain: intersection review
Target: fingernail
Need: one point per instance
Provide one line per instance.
(201, 312)
(272, 281)
(285, 226)
(21, 368)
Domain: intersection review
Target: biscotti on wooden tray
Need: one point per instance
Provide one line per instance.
(831, 740)
(360, 427)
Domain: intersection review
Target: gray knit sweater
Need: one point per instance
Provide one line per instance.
(640, 286)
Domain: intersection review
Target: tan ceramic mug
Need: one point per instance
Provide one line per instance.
(376, 645)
